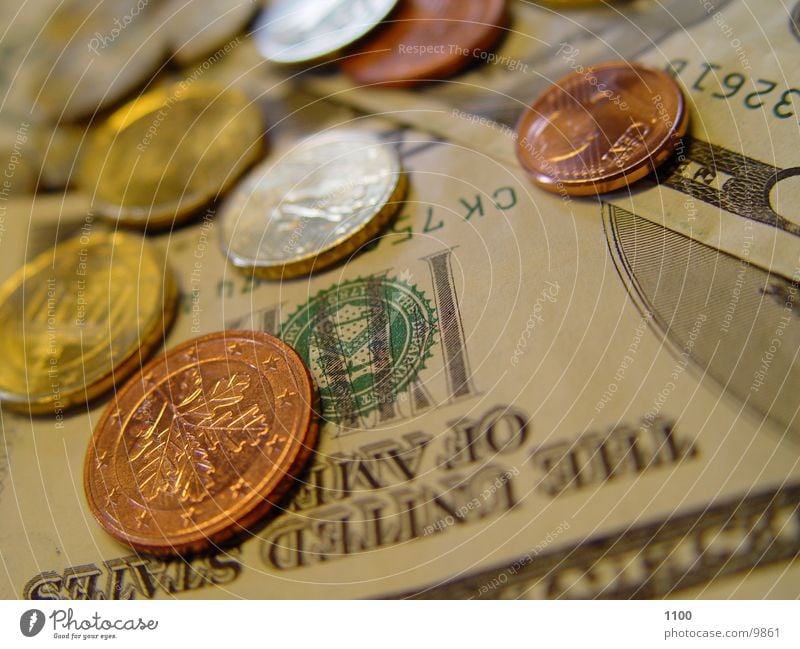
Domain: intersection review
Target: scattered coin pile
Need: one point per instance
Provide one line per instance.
(205, 438)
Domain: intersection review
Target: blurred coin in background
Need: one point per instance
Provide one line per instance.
(197, 28)
(300, 31)
(161, 157)
(91, 53)
(428, 40)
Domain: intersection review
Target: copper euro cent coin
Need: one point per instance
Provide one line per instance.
(601, 128)
(202, 443)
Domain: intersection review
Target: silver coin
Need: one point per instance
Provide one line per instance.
(313, 206)
(297, 31)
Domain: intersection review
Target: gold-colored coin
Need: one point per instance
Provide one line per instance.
(80, 318)
(164, 155)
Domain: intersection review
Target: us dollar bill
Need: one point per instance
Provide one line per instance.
(733, 184)
(582, 403)
(538, 408)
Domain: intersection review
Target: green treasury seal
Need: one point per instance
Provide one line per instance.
(365, 340)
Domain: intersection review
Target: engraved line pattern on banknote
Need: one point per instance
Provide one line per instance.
(650, 561)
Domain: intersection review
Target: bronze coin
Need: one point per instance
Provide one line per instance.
(601, 128)
(202, 443)
(428, 40)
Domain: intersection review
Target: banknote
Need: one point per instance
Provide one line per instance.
(536, 410)
(733, 183)
(523, 396)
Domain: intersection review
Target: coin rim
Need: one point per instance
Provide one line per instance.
(261, 33)
(621, 177)
(236, 521)
(162, 215)
(152, 336)
(337, 250)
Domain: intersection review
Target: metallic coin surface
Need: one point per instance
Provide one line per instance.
(169, 152)
(427, 40)
(80, 318)
(198, 28)
(91, 53)
(313, 206)
(601, 129)
(60, 147)
(202, 443)
(577, 4)
(299, 31)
